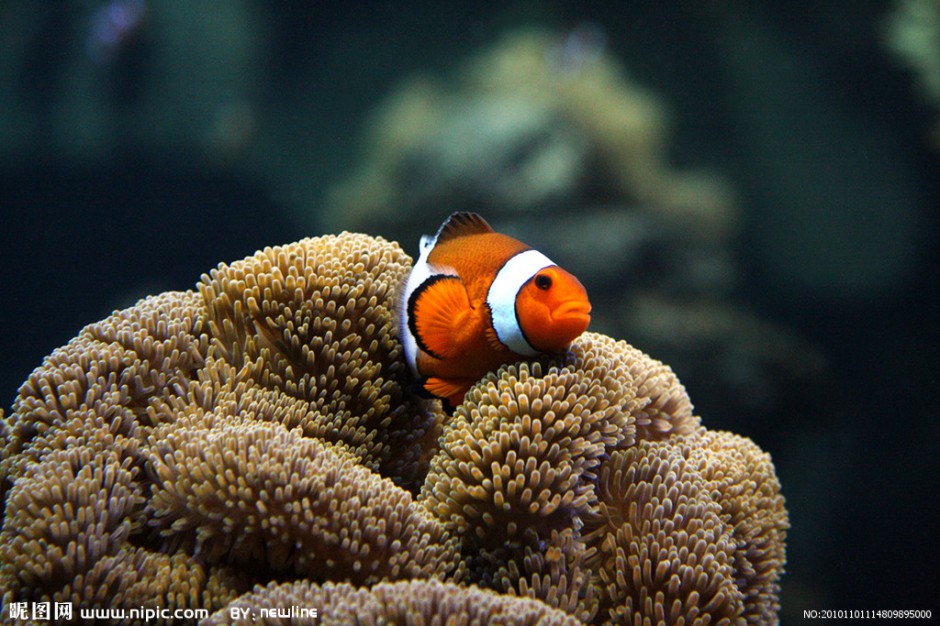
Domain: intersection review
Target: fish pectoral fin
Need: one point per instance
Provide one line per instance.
(441, 313)
(453, 389)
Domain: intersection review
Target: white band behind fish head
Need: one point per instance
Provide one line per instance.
(501, 298)
(420, 272)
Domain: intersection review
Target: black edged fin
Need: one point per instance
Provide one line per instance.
(436, 309)
(418, 388)
(447, 407)
(462, 224)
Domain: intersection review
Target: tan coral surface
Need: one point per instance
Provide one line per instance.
(261, 432)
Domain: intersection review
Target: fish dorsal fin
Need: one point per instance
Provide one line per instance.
(439, 312)
(462, 224)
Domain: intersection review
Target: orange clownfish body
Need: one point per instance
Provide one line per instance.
(476, 300)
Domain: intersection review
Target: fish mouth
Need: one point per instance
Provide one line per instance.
(575, 309)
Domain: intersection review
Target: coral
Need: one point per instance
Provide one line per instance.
(66, 532)
(518, 463)
(4, 437)
(663, 407)
(742, 477)
(701, 525)
(66, 513)
(112, 374)
(255, 493)
(317, 317)
(262, 430)
(662, 551)
(409, 602)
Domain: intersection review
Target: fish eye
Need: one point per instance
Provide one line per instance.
(543, 281)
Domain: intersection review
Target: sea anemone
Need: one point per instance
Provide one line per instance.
(262, 430)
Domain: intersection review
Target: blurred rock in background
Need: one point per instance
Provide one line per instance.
(912, 33)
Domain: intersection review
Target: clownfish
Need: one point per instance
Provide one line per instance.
(477, 299)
